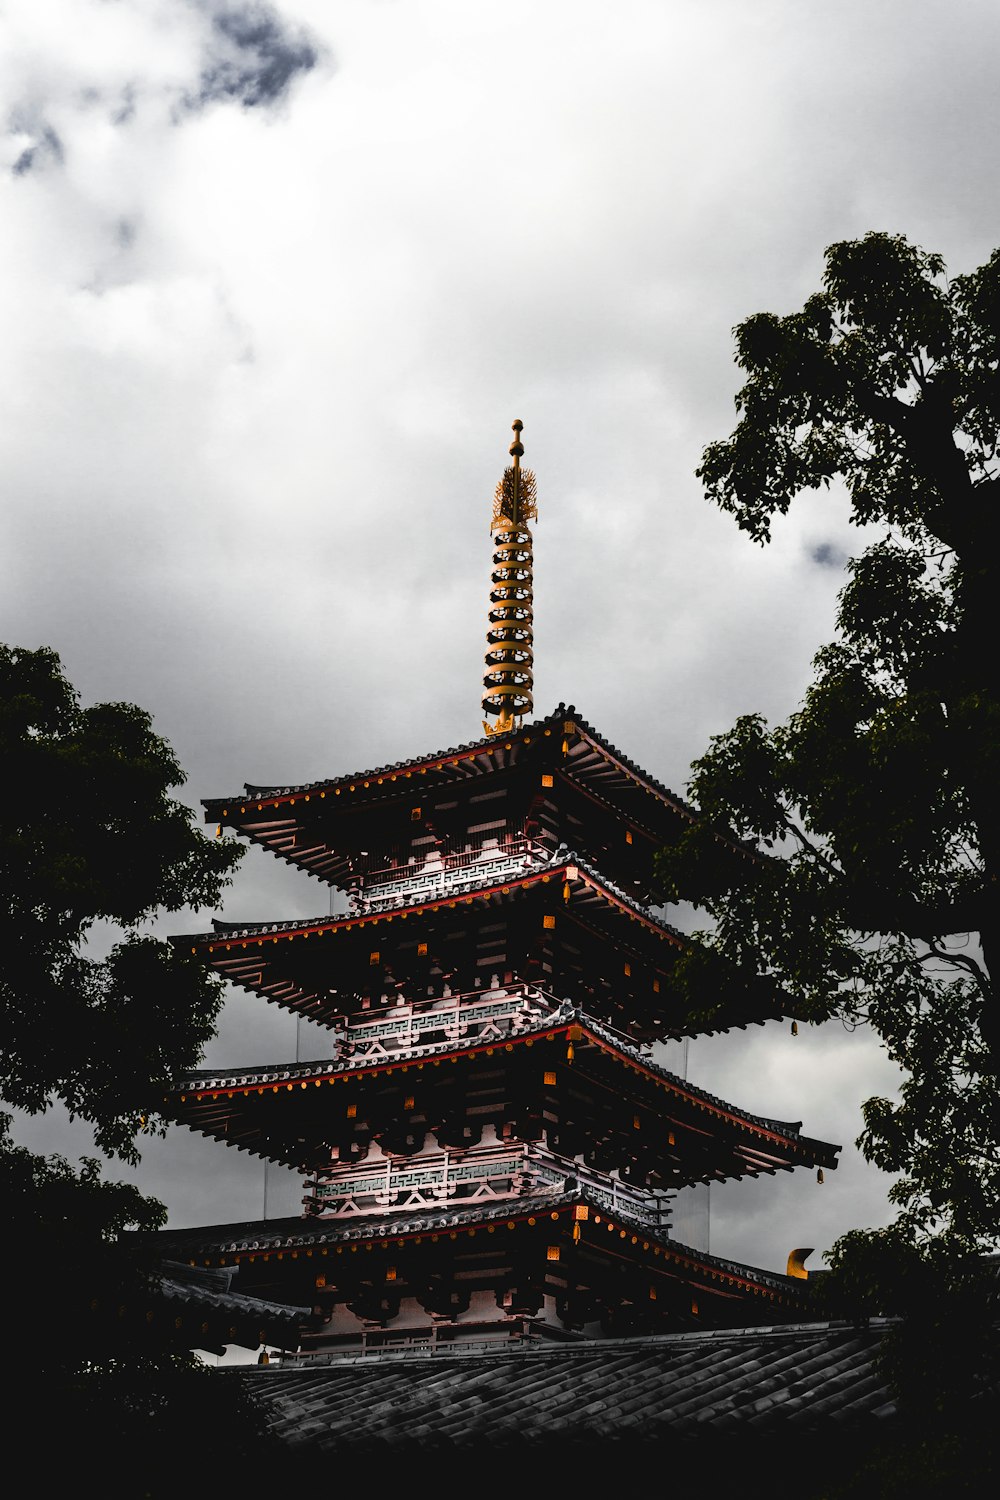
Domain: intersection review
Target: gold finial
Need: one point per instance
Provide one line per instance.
(507, 681)
(516, 451)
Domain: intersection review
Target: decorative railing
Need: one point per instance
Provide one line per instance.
(484, 1015)
(488, 1172)
(651, 1207)
(425, 1182)
(409, 885)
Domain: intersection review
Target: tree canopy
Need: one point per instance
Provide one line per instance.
(92, 847)
(873, 811)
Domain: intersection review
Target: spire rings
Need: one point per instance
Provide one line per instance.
(508, 679)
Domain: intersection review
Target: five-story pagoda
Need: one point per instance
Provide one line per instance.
(490, 1148)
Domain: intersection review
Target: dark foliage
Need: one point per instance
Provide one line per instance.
(91, 844)
(92, 847)
(873, 811)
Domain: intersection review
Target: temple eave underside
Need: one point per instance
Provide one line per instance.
(565, 1080)
(554, 924)
(314, 825)
(562, 1261)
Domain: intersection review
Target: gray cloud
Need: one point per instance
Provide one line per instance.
(124, 106)
(45, 148)
(827, 555)
(162, 64)
(253, 56)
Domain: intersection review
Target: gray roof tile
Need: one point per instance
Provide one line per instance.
(811, 1376)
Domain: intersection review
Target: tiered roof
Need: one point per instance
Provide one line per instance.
(569, 921)
(670, 1282)
(305, 823)
(492, 1129)
(607, 1089)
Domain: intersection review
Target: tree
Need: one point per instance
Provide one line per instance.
(91, 838)
(92, 847)
(872, 814)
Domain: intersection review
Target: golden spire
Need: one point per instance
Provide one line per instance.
(507, 681)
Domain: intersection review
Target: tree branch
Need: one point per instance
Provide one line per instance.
(808, 847)
(962, 961)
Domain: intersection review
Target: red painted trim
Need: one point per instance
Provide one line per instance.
(687, 1094)
(376, 1069)
(467, 898)
(357, 779)
(595, 885)
(640, 778)
(707, 1273)
(485, 1048)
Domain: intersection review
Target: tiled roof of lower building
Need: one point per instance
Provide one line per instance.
(809, 1376)
(209, 1290)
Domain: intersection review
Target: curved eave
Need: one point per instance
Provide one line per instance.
(570, 868)
(287, 819)
(236, 1106)
(615, 1233)
(261, 957)
(232, 1317)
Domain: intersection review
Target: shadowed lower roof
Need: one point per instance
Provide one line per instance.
(808, 1376)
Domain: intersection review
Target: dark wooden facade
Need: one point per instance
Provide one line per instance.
(490, 1148)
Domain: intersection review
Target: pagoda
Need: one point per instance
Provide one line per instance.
(490, 1147)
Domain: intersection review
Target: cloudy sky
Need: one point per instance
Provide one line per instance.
(276, 279)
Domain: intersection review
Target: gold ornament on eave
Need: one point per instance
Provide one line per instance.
(508, 680)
